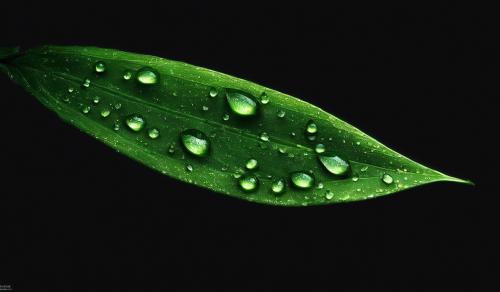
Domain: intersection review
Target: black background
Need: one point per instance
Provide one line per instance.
(77, 216)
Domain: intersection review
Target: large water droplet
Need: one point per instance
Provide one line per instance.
(100, 67)
(249, 183)
(278, 186)
(311, 127)
(241, 103)
(302, 180)
(147, 76)
(196, 142)
(334, 164)
(127, 75)
(135, 122)
(153, 133)
(251, 164)
(387, 179)
(320, 148)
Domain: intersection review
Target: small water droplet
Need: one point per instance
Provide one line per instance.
(116, 126)
(251, 164)
(311, 127)
(241, 103)
(135, 122)
(86, 109)
(249, 183)
(205, 108)
(334, 164)
(358, 143)
(225, 117)
(153, 133)
(282, 150)
(100, 67)
(118, 106)
(171, 149)
(264, 98)
(105, 112)
(71, 89)
(213, 92)
(264, 136)
(189, 167)
(86, 83)
(280, 114)
(127, 75)
(278, 186)
(320, 186)
(311, 138)
(387, 179)
(329, 195)
(364, 168)
(147, 76)
(302, 180)
(195, 142)
(355, 178)
(96, 99)
(320, 148)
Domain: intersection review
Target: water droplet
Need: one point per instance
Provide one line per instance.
(86, 83)
(251, 164)
(302, 180)
(196, 142)
(264, 136)
(171, 149)
(100, 67)
(105, 112)
(147, 76)
(118, 106)
(116, 125)
(278, 186)
(264, 98)
(225, 117)
(213, 92)
(320, 186)
(281, 114)
(311, 127)
(329, 195)
(86, 109)
(282, 150)
(153, 133)
(71, 89)
(355, 178)
(127, 75)
(249, 183)
(320, 148)
(205, 108)
(358, 143)
(189, 167)
(311, 138)
(387, 179)
(241, 103)
(334, 164)
(96, 99)
(135, 122)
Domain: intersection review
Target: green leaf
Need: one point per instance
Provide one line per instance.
(213, 130)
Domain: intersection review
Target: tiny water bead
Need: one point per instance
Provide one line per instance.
(320, 148)
(127, 75)
(213, 92)
(105, 112)
(241, 103)
(334, 164)
(71, 89)
(116, 126)
(387, 179)
(86, 109)
(249, 183)
(225, 117)
(204, 108)
(100, 67)
(147, 76)
(329, 195)
(264, 98)
(278, 186)
(302, 180)
(96, 99)
(86, 83)
(118, 106)
(195, 142)
(153, 133)
(280, 114)
(251, 164)
(355, 178)
(189, 167)
(135, 122)
(311, 128)
(264, 136)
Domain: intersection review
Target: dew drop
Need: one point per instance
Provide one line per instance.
(334, 164)
(86, 109)
(213, 92)
(225, 117)
(135, 122)
(153, 133)
(195, 142)
(100, 67)
(278, 186)
(205, 108)
(189, 167)
(116, 126)
(118, 105)
(387, 179)
(329, 195)
(171, 149)
(355, 178)
(86, 83)
(105, 112)
(364, 168)
(264, 136)
(320, 186)
(280, 114)
(264, 98)
(249, 183)
(311, 138)
(127, 75)
(302, 180)
(240, 103)
(96, 99)
(251, 164)
(311, 127)
(147, 76)
(320, 148)
(71, 89)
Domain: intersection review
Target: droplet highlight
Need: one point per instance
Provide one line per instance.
(302, 180)
(153, 133)
(311, 127)
(278, 186)
(195, 142)
(249, 183)
(100, 67)
(135, 122)
(335, 164)
(251, 164)
(147, 76)
(387, 179)
(241, 103)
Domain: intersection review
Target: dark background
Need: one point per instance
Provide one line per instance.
(77, 216)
